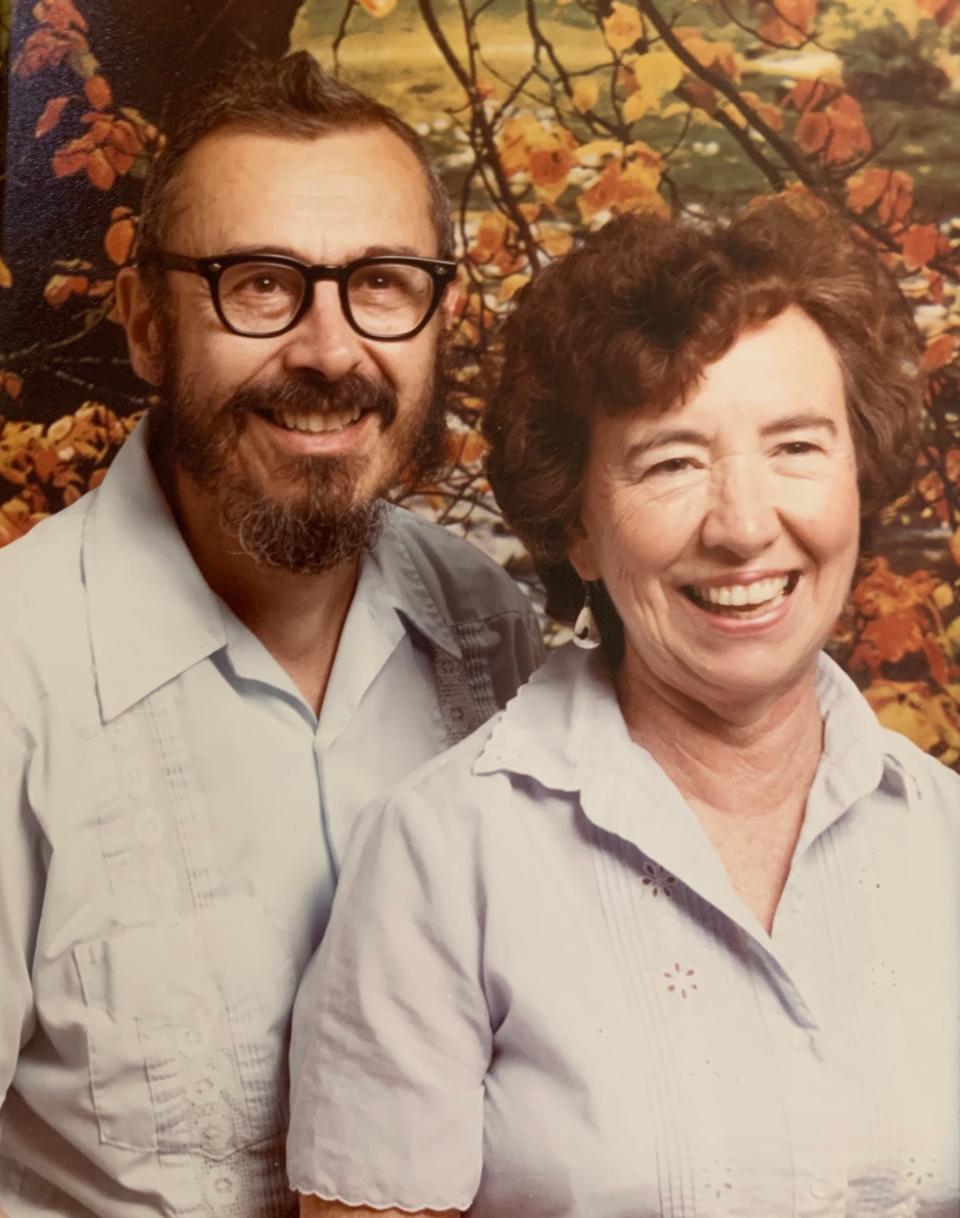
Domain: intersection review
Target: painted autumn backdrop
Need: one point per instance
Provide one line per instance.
(546, 117)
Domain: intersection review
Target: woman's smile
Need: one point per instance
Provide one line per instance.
(725, 529)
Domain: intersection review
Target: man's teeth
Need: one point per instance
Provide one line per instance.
(736, 595)
(333, 420)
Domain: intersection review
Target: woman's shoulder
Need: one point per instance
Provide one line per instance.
(930, 778)
(517, 764)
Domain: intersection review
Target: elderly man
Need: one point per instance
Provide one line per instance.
(210, 664)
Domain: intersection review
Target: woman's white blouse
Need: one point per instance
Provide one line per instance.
(540, 995)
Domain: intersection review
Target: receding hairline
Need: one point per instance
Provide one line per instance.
(170, 207)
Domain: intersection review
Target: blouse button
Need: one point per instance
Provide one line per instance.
(222, 1188)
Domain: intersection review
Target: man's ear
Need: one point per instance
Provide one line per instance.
(142, 326)
(582, 555)
(451, 304)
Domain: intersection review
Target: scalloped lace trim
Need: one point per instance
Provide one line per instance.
(460, 1207)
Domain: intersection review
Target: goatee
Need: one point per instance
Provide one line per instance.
(314, 523)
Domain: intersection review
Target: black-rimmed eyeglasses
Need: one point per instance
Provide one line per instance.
(388, 297)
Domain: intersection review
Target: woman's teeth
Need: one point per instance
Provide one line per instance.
(333, 420)
(764, 592)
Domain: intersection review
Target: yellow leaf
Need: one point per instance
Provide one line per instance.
(585, 94)
(6, 279)
(717, 55)
(492, 231)
(674, 109)
(623, 27)
(379, 8)
(596, 150)
(635, 106)
(657, 73)
(511, 286)
(639, 179)
(556, 241)
(943, 596)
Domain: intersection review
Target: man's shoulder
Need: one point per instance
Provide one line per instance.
(457, 573)
(44, 567)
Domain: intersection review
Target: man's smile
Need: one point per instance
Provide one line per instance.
(313, 421)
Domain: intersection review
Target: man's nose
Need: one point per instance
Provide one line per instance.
(323, 339)
(741, 515)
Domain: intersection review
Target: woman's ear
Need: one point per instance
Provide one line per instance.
(139, 319)
(582, 555)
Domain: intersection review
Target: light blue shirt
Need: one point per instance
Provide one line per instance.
(539, 993)
(171, 817)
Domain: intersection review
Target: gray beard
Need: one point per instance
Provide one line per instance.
(321, 527)
(304, 537)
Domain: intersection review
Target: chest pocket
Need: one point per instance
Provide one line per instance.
(186, 1029)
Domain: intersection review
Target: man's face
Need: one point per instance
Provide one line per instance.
(295, 437)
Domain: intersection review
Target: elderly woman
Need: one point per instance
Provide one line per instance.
(676, 933)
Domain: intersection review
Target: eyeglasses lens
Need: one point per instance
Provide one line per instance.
(386, 299)
(389, 298)
(260, 297)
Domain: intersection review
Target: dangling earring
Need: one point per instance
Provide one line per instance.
(586, 633)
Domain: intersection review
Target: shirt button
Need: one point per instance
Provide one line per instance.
(820, 1189)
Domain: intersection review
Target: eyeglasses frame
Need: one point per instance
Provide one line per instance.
(441, 270)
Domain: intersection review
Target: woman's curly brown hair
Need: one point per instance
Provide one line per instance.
(628, 321)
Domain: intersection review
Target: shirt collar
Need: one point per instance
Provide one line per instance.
(152, 614)
(564, 729)
(397, 579)
(569, 704)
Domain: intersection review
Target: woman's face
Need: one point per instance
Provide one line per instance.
(726, 529)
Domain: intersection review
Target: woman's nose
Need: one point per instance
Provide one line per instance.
(741, 516)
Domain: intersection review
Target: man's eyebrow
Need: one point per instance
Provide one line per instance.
(286, 251)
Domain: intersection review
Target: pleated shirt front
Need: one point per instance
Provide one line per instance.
(540, 994)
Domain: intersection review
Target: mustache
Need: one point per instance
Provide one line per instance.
(313, 394)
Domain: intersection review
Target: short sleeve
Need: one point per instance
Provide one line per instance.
(391, 1032)
(19, 902)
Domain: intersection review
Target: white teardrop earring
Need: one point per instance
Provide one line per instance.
(586, 633)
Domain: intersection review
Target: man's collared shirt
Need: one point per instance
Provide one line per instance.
(539, 993)
(172, 814)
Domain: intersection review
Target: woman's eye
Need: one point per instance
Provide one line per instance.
(798, 448)
(673, 465)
